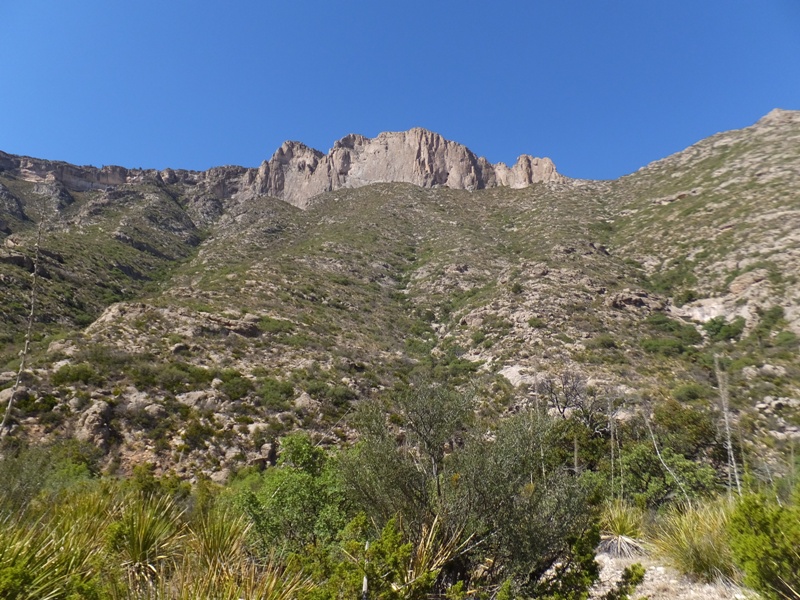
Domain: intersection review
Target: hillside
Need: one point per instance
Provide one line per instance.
(190, 319)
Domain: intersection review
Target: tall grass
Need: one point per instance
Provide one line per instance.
(694, 539)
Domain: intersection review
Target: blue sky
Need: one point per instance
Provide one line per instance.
(602, 88)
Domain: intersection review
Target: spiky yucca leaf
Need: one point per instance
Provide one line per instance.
(42, 563)
(245, 581)
(217, 539)
(147, 537)
(429, 555)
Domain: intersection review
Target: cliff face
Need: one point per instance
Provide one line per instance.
(297, 173)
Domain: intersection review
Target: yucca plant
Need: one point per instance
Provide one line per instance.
(621, 529)
(694, 539)
(434, 549)
(42, 563)
(243, 581)
(217, 539)
(146, 538)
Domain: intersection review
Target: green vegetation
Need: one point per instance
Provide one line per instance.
(765, 542)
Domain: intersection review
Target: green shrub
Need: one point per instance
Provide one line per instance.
(765, 539)
(786, 339)
(36, 405)
(720, 330)
(685, 430)
(536, 323)
(603, 341)
(649, 485)
(478, 336)
(682, 331)
(236, 386)
(80, 373)
(197, 434)
(275, 394)
(688, 392)
(275, 326)
(684, 297)
(663, 346)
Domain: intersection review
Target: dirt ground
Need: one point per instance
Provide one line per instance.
(664, 583)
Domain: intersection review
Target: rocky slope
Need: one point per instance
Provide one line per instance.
(190, 318)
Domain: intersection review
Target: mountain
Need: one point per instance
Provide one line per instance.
(189, 318)
(297, 173)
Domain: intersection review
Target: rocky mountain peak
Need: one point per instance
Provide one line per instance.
(297, 173)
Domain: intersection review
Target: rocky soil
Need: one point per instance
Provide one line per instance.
(664, 583)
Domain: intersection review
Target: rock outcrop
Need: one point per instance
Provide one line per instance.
(297, 173)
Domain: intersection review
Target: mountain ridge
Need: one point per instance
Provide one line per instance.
(296, 172)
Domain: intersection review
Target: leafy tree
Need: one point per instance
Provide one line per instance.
(649, 484)
(300, 502)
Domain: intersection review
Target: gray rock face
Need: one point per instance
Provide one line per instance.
(297, 173)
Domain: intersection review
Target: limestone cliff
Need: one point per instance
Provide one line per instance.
(297, 173)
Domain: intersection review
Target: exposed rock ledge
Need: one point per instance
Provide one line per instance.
(297, 173)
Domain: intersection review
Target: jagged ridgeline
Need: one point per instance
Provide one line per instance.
(189, 319)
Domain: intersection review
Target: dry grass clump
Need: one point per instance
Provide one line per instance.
(695, 540)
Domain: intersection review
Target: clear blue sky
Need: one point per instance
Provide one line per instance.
(600, 87)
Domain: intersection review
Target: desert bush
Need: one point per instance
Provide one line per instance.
(506, 495)
(687, 392)
(684, 332)
(720, 330)
(235, 385)
(300, 502)
(649, 485)
(786, 339)
(275, 394)
(664, 346)
(685, 430)
(32, 474)
(275, 326)
(80, 373)
(604, 341)
(765, 540)
(536, 323)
